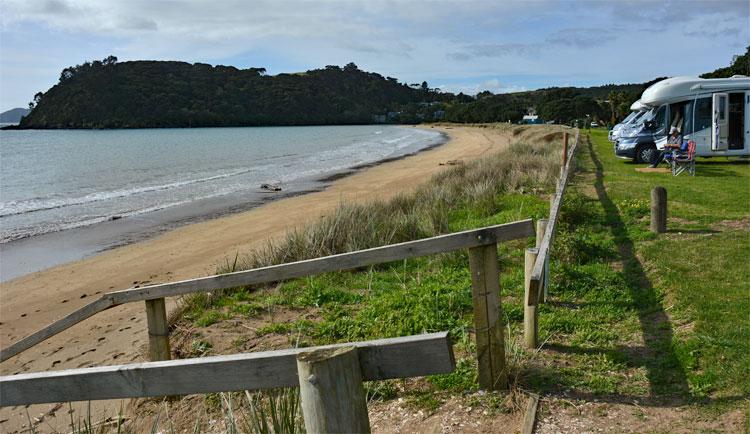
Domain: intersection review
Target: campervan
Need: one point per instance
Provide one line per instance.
(715, 113)
(637, 110)
(637, 140)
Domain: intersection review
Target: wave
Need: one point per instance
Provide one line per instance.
(42, 204)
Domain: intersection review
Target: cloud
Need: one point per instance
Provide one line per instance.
(581, 37)
(494, 50)
(493, 85)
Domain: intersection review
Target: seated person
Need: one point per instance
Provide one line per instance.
(674, 141)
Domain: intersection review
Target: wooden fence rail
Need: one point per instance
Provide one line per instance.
(537, 276)
(411, 356)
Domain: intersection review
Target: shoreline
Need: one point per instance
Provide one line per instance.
(119, 335)
(33, 254)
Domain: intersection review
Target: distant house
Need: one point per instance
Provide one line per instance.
(439, 114)
(531, 119)
(378, 119)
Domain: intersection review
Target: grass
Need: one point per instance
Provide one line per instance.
(661, 320)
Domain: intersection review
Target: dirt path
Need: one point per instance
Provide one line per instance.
(119, 335)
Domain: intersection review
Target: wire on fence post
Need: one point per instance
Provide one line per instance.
(489, 331)
(530, 315)
(158, 330)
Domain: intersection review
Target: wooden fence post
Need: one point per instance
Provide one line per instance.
(485, 284)
(530, 316)
(331, 392)
(158, 330)
(659, 210)
(565, 150)
(541, 228)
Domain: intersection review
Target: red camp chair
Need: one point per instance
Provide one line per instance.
(684, 160)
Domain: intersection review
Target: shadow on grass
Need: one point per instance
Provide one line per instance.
(664, 372)
(667, 381)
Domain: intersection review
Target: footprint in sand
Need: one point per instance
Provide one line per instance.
(83, 296)
(124, 328)
(23, 315)
(117, 355)
(101, 339)
(64, 301)
(55, 363)
(86, 363)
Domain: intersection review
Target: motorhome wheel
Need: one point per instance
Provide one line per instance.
(644, 153)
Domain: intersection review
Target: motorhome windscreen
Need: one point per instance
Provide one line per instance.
(630, 117)
(647, 116)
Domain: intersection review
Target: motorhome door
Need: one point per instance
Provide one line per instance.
(720, 136)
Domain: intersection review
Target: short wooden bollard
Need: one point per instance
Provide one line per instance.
(530, 315)
(565, 150)
(158, 330)
(331, 392)
(490, 334)
(541, 228)
(659, 210)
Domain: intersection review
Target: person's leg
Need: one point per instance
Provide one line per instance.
(656, 157)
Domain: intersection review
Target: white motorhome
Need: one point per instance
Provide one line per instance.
(637, 110)
(714, 112)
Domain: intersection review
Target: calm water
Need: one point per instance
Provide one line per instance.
(52, 181)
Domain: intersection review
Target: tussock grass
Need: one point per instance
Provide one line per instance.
(423, 213)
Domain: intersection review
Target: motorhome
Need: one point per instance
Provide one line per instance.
(715, 113)
(637, 140)
(636, 111)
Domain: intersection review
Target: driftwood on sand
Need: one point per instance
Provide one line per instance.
(270, 187)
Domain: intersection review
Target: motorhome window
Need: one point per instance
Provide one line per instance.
(702, 114)
(660, 118)
(688, 126)
(676, 110)
(722, 106)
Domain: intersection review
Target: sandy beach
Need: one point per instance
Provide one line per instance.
(119, 335)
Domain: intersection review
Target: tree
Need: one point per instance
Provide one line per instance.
(109, 60)
(740, 66)
(350, 67)
(66, 74)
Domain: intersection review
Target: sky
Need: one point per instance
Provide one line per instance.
(457, 46)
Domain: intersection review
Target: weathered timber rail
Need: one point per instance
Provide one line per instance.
(410, 356)
(537, 276)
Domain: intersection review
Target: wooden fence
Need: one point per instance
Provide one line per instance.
(483, 263)
(537, 259)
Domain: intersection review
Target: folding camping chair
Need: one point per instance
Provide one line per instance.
(683, 160)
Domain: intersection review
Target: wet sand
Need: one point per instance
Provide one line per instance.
(119, 335)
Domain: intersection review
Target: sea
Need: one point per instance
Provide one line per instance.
(66, 194)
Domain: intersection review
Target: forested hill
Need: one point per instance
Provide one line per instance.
(109, 94)
(141, 94)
